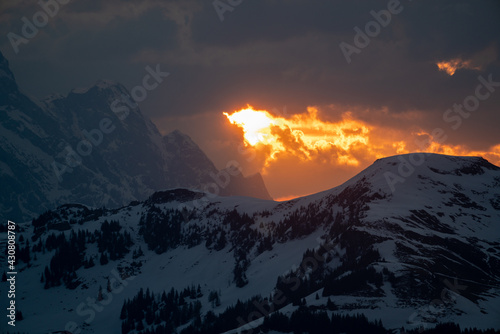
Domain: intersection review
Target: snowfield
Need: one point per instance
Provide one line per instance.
(437, 236)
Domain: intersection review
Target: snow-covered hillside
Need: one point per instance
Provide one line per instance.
(413, 253)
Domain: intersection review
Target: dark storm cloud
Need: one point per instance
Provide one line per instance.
(269, 53)
(121, 38)
(89, 6)
(86, 41)
(278, 19)
(397, 69)
(451, 28)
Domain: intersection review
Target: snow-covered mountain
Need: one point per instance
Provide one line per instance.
(93, 146)
(424, 251)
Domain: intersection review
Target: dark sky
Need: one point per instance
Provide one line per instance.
(283, 57)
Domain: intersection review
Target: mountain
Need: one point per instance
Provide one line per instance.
(412, 254)
(193, 168)
(94, 147)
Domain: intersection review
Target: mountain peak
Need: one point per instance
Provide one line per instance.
(178, 134)
(191, 163)
(439, 163)
(5, 71)
(179, 137)
(396, 174)
(101, 85)
(8, 85)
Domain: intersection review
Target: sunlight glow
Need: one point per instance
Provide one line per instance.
(255, 124)
(451, 66)
(303, 135)
(346, 142)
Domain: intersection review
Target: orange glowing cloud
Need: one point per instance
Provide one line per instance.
(348, 142)
(303, 135)
(451, 66)
(492, 155)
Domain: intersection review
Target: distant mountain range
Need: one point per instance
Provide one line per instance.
(94, 147)
(186, 262)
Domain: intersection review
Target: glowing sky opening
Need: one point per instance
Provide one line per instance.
(256, 125)
(303, 135)
(348, 142)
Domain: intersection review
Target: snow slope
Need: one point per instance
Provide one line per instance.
(436, 234)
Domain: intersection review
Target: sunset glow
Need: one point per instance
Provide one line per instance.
(451, 66)
(346, 142)
(256, 125)
(303, 135)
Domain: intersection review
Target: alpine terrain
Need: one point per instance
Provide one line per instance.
(93, 146)
(369, 256)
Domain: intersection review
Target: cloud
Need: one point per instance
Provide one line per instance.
(348, 141)
(477, 62)
(450, 28)
(451, 66)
